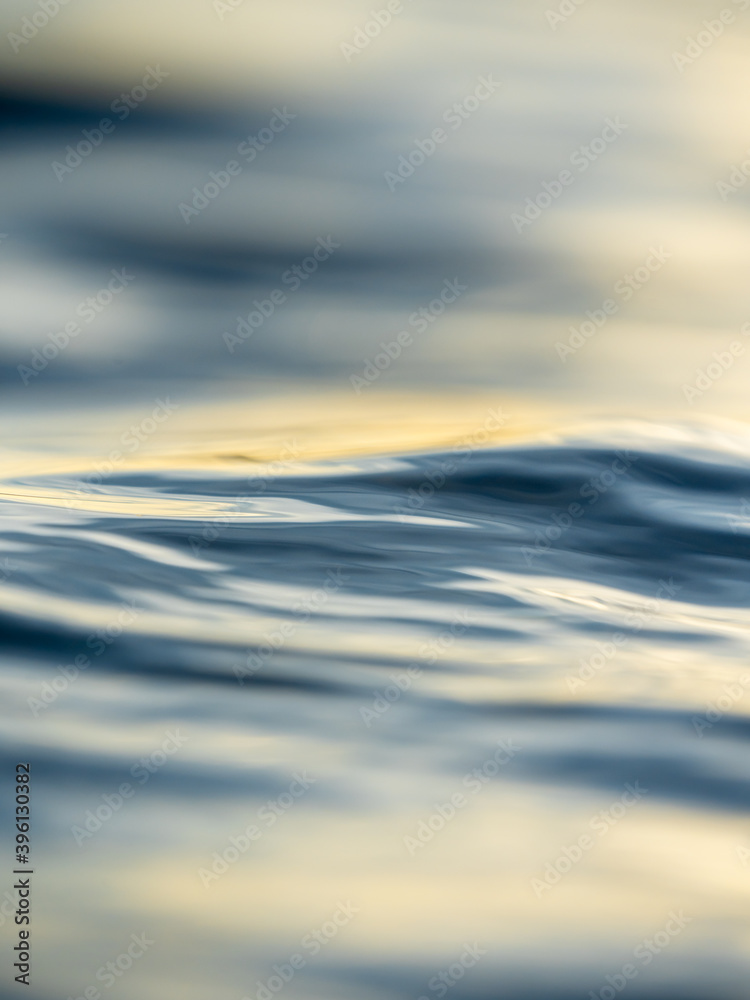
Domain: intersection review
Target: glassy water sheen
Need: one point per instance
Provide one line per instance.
(476, 709)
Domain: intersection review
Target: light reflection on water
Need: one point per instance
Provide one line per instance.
(344, 626)
(372, 583)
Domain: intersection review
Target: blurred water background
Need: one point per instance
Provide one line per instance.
(375, 496)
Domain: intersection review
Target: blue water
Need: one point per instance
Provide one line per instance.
(331, 650)
(333, 685)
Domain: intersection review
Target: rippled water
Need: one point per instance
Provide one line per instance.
(383, 654)
(374, 708)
